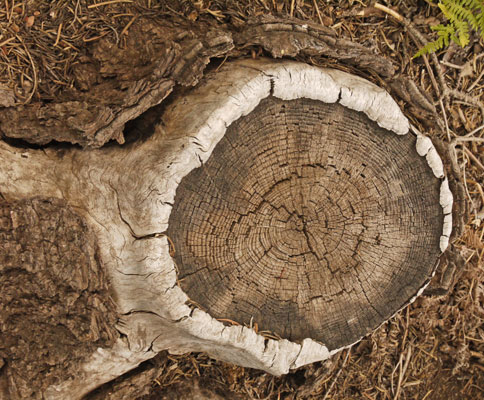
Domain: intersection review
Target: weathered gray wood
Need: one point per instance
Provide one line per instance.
(126, 195)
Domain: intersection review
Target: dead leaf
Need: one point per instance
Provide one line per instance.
(466, 70)
(327, 21)
(29, 21)
(431, 21)
(193, 16)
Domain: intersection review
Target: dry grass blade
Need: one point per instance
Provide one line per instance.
(34, 71)
(403, 371)
(335, 377)
(105, 3)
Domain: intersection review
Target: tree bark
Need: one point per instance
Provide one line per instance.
(114, 85)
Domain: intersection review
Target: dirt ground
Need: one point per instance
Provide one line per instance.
(433, 349)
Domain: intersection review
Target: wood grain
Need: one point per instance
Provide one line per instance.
(309, 219)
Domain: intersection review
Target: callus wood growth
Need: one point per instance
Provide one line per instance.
(295, 197)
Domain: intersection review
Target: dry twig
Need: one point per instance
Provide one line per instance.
(333, 382)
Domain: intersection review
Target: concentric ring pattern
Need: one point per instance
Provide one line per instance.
(309, 220)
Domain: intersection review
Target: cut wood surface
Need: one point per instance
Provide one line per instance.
(296, 191)
(309, 220)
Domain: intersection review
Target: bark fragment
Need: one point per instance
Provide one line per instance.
(115, 85)
(284, 37)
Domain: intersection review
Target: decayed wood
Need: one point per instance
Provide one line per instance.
(291, 37)
(126, 196)
(114, 85)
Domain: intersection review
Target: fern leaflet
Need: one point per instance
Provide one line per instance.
(461, 16)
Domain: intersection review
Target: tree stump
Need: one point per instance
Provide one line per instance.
(279, 213)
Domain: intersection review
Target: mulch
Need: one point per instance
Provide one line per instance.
(432, 349)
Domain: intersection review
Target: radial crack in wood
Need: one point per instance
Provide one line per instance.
(306, 216)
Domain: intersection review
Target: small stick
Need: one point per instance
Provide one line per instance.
(464, 179)
(128, 25)
(431, 74)
(473, 157)
(449, 64)
(467, 98)
(95, 37)
(319, 14)
(33, 69)
(468, 139)
(229, 321)
(445, 119)
(479, 188)
(58, 35)
(389, 11)
(7, 41)
(402, 372)
(222, 63)
(171, 245)
(405, 334)
(476, 81)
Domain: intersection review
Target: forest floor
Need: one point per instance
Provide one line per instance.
(432, 349)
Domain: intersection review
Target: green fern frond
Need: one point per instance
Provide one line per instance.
(460, 13)
(441, 42)
(461, 16)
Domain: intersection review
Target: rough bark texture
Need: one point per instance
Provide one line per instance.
(114, 84)
(292, 37)
(55, 308)
(322, 228)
